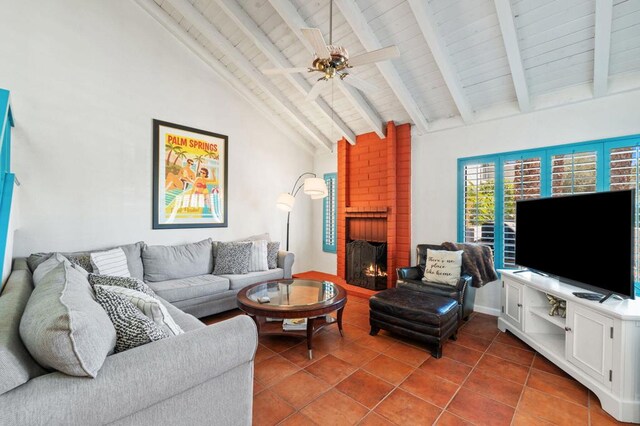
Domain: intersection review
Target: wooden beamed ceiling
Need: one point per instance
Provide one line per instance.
(461, 61)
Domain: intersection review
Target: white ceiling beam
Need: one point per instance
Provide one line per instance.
(202, 24)
(365, 34)
(295, 22)
(602, 47)
(425, 18)
(510, 38)
(164, 19)
(264, 44)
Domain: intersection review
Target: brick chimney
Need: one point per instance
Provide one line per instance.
(374, 195)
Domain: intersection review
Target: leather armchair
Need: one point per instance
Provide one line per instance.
(411, 278)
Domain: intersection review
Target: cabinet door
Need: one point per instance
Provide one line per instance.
(590, 342)
(512, 296)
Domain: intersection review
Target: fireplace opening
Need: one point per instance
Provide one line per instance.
(366, 264)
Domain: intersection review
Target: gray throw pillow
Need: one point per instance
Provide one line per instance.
(163, 263)
(63, 327)
(132, 327)
(233, 258)
(80, 258)
(126, 282)
(272, 254)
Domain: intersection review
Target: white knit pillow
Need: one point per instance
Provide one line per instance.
(151, 307)
(110, 262)
(258, 260)
(443, 266)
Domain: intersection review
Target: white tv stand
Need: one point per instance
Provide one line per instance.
(598, 344)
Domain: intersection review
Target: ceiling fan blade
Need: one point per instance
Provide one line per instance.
(375, 56)
(315, 91)
(314, 37)
(270, 71)
(360, 84)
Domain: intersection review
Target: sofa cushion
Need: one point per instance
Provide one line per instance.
(162, 263)
(134, 259)
(132, 327)
(273, 247)
(189, 288)
(16, 365)
(233, 258)
(110, 262)
(63, 327)
(241, 281)
(126, 282)
(150, 306)
(258, 259)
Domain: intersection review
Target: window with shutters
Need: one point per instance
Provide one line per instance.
(521, 180)
(490, 186)
(479, 202)
(329, 207)
(573, 173)
(624, 173)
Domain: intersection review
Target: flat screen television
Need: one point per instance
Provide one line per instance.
(585, 240)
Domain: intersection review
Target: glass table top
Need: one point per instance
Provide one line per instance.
(293, 292)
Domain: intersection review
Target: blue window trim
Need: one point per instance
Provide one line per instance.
(602, 148)
(330, 248)
(7, 178)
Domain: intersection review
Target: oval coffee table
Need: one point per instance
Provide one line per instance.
(295, 298)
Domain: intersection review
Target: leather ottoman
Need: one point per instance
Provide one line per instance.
(426, 317)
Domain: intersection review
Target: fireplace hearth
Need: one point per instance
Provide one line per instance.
(367, 264)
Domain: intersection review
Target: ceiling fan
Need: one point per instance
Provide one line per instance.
(333, 61)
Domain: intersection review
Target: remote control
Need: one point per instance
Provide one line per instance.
(588, 296)
(264, 299)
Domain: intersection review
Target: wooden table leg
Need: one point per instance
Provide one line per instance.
(340, 321)
(310, 336)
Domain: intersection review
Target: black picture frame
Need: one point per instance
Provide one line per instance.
(193, 193)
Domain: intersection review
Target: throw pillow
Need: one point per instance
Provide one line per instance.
(133, 329)
(233, 258)
(80, 258)
(126, 282)
(150, 306)
(443, 266)
(48, 265)
(258, 260)
(110, 262)
(272, 254)
(63, 327)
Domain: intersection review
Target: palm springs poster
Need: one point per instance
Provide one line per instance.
(189, 177)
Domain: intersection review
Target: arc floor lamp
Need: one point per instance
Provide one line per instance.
(313, 186)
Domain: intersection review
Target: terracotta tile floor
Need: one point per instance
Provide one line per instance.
(485, 377)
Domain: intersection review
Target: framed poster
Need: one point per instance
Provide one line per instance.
(189, 177)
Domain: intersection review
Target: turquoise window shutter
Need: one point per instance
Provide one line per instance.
(329, 214)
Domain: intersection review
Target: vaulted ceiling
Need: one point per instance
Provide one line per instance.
(461, 61)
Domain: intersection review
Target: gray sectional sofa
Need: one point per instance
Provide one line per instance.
(204, 376)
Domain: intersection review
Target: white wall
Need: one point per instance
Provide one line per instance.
(322, 261)
(435, 155)
(86, 79)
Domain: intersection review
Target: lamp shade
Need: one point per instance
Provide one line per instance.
(285, 202)
(320, 196)
(315, 186)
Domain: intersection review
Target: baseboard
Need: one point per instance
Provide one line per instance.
(486, 310)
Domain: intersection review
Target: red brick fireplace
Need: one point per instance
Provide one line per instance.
(374, 195)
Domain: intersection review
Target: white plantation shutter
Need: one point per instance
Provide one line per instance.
(573, 173)
(521, 180)
(479, 203)
(329, 206)
(624, 173)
